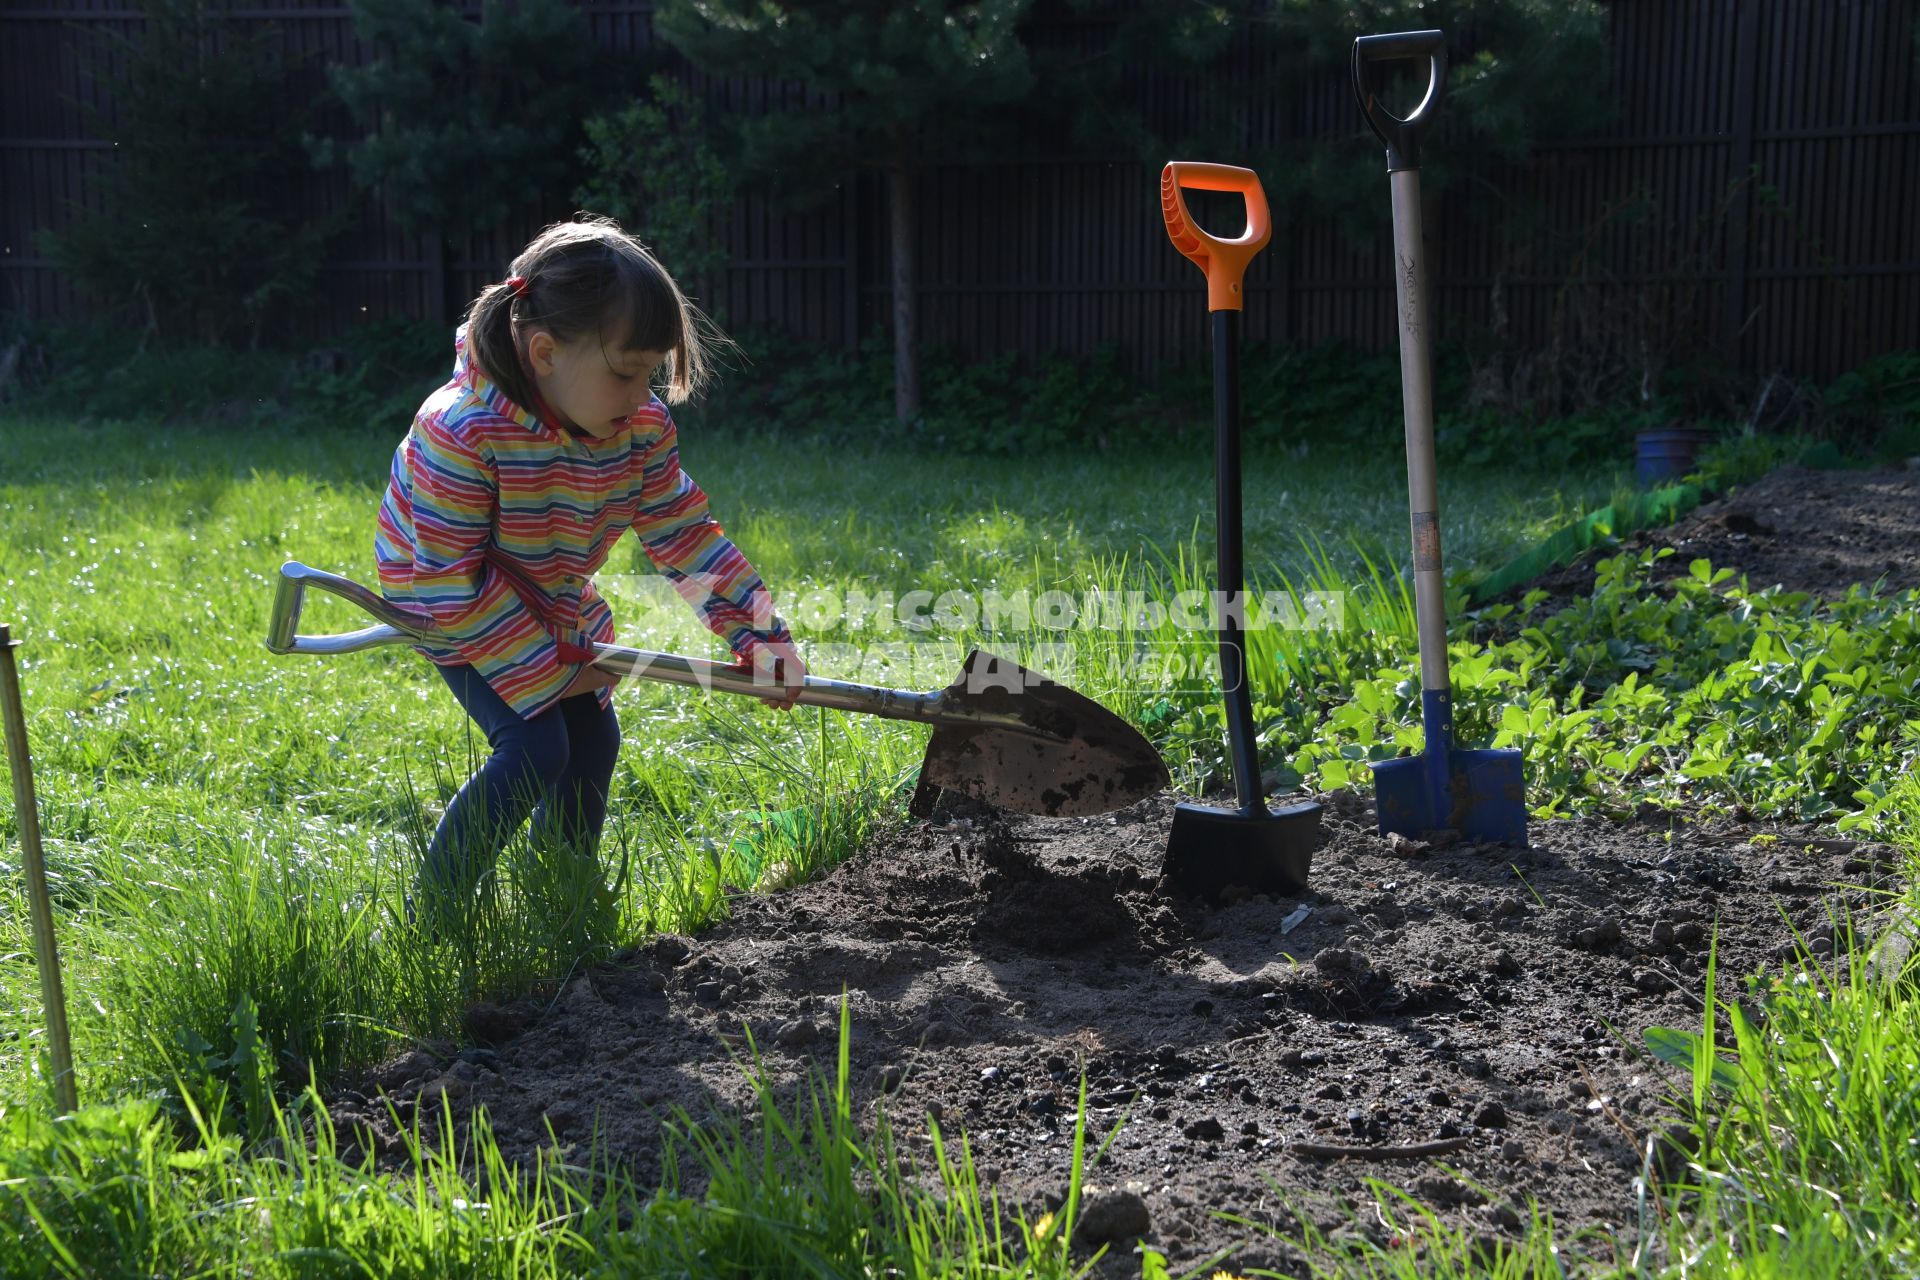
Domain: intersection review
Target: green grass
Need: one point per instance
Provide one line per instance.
(215, 811)
(228, 833)
(818, 1193)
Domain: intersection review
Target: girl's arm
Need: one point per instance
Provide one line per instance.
(687, 544)
(454, 496)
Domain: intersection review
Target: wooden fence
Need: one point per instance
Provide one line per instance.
(1810, 267)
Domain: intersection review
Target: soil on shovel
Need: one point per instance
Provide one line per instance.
(1485, 998)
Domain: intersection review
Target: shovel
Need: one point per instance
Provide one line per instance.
(1480, 794)
(1249, 845)
(1002, 734)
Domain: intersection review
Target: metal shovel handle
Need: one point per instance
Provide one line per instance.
(400, 625)
(1401, 134)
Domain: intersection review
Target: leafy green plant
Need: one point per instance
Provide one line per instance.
(653, 166)
(1713, 693)
(1739, 457)
(246, 1072)
(1882, 398)
(105, 1183)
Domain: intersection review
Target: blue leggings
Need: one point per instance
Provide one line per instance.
(556, 766)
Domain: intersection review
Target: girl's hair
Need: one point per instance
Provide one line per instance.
(589, 276)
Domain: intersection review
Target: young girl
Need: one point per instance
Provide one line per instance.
(518, 475)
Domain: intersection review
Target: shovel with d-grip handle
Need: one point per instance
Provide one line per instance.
(1001, 733)
(1480, 794)
(33, 860)
(1264, 850)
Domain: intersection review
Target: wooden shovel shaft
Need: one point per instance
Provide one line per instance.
(401, 625)
(1416, 382)
(46, 952)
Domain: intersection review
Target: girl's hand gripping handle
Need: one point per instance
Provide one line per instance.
(777, 667)
(1224, 261)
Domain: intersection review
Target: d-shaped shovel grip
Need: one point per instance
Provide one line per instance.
(1224, 261)
(398, 624)
(1402, 136)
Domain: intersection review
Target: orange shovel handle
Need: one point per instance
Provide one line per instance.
(1224, 261)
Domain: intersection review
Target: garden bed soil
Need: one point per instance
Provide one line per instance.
(1487, 995)
(1487, 998)
(1813, 531)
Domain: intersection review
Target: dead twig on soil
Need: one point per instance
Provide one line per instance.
(1820, 844)
(1606, 1108)
(1680, 987)
(1410, 1151)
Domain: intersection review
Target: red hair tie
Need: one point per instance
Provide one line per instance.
(517, 285)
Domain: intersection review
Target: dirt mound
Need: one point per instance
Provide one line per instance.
(1483, 998)
(1813, 531)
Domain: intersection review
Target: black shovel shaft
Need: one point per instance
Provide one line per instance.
(1231, 563)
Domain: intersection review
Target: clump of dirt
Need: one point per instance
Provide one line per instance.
(1474, 1004)
(1813, 531)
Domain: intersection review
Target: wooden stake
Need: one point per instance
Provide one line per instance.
(46, 953)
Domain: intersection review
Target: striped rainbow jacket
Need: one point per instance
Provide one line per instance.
(483, 493)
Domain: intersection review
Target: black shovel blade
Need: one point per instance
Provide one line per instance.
(1088, 761)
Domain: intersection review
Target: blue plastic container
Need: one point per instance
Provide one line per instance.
(1665, 455)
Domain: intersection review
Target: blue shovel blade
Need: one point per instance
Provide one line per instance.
(1483, 796)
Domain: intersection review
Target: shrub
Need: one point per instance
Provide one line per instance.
(187, 223)
(1882, 397)
(652, 166)
(1335, 398)
(465, 121)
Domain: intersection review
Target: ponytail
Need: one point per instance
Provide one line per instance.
(490, 340)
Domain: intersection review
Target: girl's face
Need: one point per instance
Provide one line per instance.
(593, 385)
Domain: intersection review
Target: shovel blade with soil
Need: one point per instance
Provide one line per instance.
(1003, 734)
(1082, 760)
